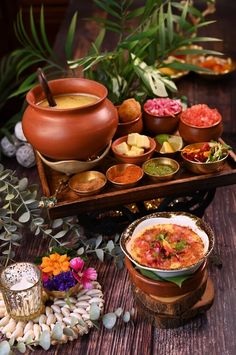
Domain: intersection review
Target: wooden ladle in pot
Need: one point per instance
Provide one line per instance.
(46, 89)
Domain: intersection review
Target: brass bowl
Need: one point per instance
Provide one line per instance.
(203, 168)
(119, 169)
(163, 161)
(87, 182)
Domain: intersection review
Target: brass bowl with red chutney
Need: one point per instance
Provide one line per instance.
(79, 127)
(168, 244)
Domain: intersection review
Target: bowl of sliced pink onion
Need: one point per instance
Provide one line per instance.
(161, 115)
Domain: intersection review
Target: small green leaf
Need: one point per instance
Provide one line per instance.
(25, 217)
(44, 340)
(98, 241)
(119, 312)
(110, 246)
(57, 332)
(100, 254)
(21, 347)
(126, 317)
(23, 183)
(69, 332)
(60, 234)
(94, 312)
(4, 348)
(70, 37)
(109, 320)
(80, 251)
(57, 223)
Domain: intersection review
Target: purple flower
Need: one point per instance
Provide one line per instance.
(61, 282)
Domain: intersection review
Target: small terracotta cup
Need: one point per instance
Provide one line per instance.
(160, 124)
(125, 128)
(165, 288)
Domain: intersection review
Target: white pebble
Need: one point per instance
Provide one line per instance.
(65, 311)
(37, 331)
(25, 156)
(28, 334)
(51, 319)
(9, 148)
(4, 321)
(80, 310)
(19, 132)
(56, 308)
(59, 316)
(96, 300)
(82, 304)
(10, 327)
(18, 332)
(28, 326)
(42, 319)
(48, 311)
(45, 327)
(84, 298)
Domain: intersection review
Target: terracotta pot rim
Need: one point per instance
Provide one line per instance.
(122, 124)
(69, 80)
(199, 127)
(164, 283)
(176, 115)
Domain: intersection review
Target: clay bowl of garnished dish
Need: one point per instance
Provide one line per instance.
(168, 145)
(124, 175)
(200, 123)
(161, 115)
(87, 183)
(161, 169)
(205, 157)
(133, 148)
(169, 244)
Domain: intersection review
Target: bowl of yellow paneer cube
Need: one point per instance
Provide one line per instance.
(133, 148)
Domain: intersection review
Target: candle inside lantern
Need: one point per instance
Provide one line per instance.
(23, 284)
(21, 288)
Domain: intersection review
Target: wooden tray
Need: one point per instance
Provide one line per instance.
(69, 203)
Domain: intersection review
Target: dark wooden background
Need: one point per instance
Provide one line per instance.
(211, 333)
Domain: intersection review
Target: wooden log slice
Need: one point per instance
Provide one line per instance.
(175, 305)
(169, 321)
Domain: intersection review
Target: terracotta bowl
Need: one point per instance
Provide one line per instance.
(135, 159)
(165, 288)
(178, 218)
(70, 167)
(157, 124)
(203, 168)
(194, 134)
(125, 128)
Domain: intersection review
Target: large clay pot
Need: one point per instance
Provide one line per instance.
(75, 133)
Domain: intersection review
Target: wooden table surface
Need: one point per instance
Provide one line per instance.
(211, 333)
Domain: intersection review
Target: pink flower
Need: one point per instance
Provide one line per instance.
(83, 277)
(45, 277)
(77, 264)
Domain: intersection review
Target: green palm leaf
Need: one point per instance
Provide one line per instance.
(70, 37)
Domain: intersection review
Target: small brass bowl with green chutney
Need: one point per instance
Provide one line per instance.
(161, 169)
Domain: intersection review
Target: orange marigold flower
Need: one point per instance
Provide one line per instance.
(55, 263)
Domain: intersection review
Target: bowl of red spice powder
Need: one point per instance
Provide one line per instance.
(200, 123)
(124, 175)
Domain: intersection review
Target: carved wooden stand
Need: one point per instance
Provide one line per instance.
(172, 310)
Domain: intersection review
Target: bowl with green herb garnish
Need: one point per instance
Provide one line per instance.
(169, 244)
(205, 157)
